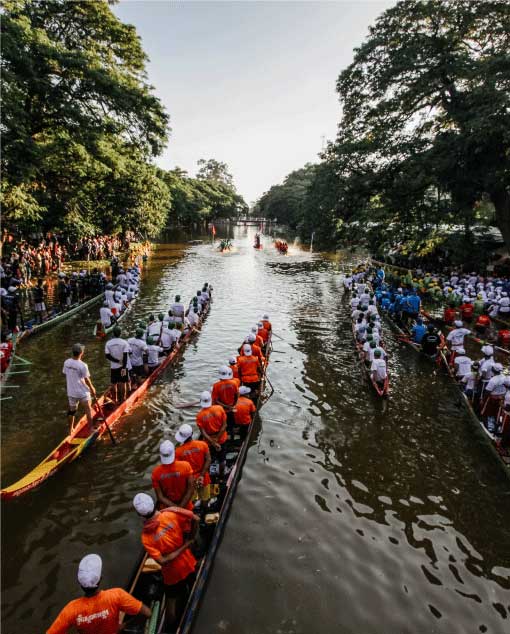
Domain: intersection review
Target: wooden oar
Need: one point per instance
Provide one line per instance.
(186, 405)
(101, 411)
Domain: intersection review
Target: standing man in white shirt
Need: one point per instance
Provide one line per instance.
(177, 309)
(138, 351)
(79, 385)
(117, 352)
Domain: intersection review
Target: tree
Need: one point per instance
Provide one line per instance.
(78, 117)
(430, 90)
(216, 171)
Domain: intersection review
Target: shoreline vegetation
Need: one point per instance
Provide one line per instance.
(420, 167)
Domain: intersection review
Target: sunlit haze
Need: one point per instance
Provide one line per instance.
(249, 83)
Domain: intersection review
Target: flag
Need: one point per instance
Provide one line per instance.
(213, 230)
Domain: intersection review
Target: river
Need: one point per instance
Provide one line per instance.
(352, 516)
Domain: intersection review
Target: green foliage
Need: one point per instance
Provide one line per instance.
(215, 171)
(196, 200)
(424, 140)
(79, 121)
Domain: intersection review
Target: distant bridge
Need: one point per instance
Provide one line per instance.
(248, 220)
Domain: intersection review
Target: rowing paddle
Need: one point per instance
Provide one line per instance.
(186, 405)
(100, 409)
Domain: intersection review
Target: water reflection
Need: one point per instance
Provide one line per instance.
(350, 516)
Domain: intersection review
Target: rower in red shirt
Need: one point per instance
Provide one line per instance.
(212, 421)
(173, 479)
(258, 339)
(98, 611)
(245, 409)
(167, 536)
(255, 349)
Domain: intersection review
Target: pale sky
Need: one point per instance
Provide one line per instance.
(249, 83)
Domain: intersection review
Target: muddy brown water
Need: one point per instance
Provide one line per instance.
(353, 515)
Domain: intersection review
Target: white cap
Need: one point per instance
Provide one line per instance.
(89, 571)
(184, 432)
(12, 289)
(205, 399)
(260, 324)
(254, 329)
(244, 390)
(223, 371)
(232, 360)
(230, 374)
(167, 452)
(488, 350)
(247, 349)
(461, 351)
(144, 504)
(498, 367)
(458, 323)
(252, 338)
(3, 291)
(265, 316)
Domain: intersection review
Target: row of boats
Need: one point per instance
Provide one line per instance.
(498, 441)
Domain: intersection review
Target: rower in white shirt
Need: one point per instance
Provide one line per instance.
(177, 309)
(106, 315)
(462, 364)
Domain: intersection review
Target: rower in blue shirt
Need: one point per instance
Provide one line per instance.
(418, 331)
(413, 304)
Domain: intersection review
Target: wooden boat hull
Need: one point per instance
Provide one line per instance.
(79, 440)
(63, 316)
(141, 580)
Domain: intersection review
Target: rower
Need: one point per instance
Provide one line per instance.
(378, 368)
(482, 323)
(249, 370)
(486, 368)
(431, 341)
(418, 331)
(79, 385)
(106, 316)
(470, 381)
(153, 327)
(167, 536)
(166, 338)
(193, 317)
(366, 347)
(263, 334)
(266, 323)
(255, 348)
(258, 339)
(98, 610)
(197, 454)
(495, 390)
(173, 479)
(177, 309)
(233, 366)
(243, 414)
(462, 364)
(153, 352)
(212, 422)
(456, 338)
(138, 355)
(225, 392)
(117, 352)
(355, 301)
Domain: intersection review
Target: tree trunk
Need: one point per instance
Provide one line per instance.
(501, 201)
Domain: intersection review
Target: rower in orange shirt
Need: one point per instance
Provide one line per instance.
(245, 409)
(250, 370)
(263, 334)
(173, 479)
(196, 452)
(212, 421)
(266, 323)
(167, 536)
(233, 366)
(258, 339)
(225, 393)
(98, 611)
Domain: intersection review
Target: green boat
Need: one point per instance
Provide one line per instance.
(60, 317)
